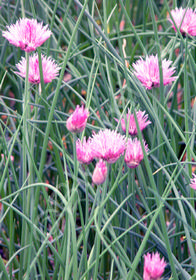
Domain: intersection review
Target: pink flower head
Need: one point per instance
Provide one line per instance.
(78, 119)
(193, 182)
(100, 173)
(186, 22)
(147, 71)
(27, 34)
(142, 121)
(108, 145)
(134, 154)
(154, 266)
(83, 151)
(49, 67)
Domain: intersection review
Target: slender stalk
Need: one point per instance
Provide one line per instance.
(30, 193)
(187, 113)
(76, 163)
(25, 163)
(86, 219)
(187, 109)
(26, 100)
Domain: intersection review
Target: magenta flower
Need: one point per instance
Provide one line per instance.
(147, 71)
(154, 266)
(185, 22)
(108, 145)
(134, 154)
(49, 67)
(99, 173)
(142, 121)
(193, 182)
(27, 34)
(84, 151)
(78, 119)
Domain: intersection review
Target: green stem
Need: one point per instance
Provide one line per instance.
(26, 109)
(26, 116)
(187, 113)
(30, 192)
(100, 216)
(187, 109)
(76, 164)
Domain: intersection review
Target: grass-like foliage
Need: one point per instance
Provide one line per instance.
(63, 219)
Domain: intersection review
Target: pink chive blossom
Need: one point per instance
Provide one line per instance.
(141, 118)
(134, 154)
(27, 34)
(147, 71)
(186, 22)
(193, 182)
(49, 67)
(154, 266)
(99, 173)
(108, 145)
(78, 119)
(83, 151)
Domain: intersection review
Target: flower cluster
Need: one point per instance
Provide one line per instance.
(154, 266)
(28, 35)
(84, 151)
(78, 119)
(185, 20)
(134, 154)
(147, 71)
(49, 67)
(131, 123)
(107, 146)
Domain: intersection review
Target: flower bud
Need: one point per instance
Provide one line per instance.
(99, 173)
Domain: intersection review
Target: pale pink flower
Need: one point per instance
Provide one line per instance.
(27, 34)
(154, 266)
(193, 182)
(49, 67)
(108, 145)
(141, 118)
(84, 151)
(134, 154)
(99, 173)
(78, 119)
(147, 71)
(186, 22)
